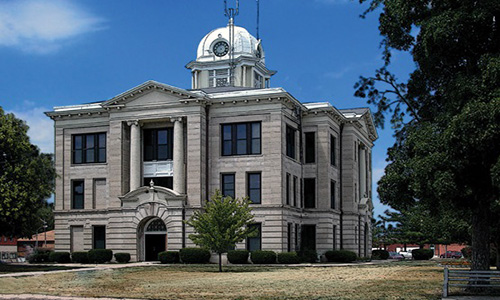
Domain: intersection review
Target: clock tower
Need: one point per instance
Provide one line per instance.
(218, 64)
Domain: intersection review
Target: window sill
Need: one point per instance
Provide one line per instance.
(89, 164)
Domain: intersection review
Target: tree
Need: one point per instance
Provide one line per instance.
(446, 117)
(223, 223)
(26, 178)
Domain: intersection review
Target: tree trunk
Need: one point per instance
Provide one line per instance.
(481, 237)
(497, 246)
(220, 262)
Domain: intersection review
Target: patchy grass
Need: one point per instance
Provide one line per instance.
(405, 280)
(8, 268)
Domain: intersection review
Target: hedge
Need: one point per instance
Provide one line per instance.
(263, 257)
(100, 256)
(60, 257)
(380, 254)
(308, 256)
(39, 255)
(122, 258)
(288, 258)
(168, 257)
(80, 257)
(194, 255)
(343, 256)
(237, 256)
(422, 254)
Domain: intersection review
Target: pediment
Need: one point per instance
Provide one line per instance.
(152, 194)
(150, 93)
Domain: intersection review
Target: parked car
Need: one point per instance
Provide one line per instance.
(395, 255)
(451, 254)
(406, 254)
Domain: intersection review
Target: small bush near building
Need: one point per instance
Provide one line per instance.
(80, 257)
(168, 257)
(288, 258)
(263, 257)
(422, 254)
(60, 257)
(308, 256)
(194, 255)
(237, 256)
(343, 256)
(100, 256)
(122, 258)
(380, 254)
(40, 255)
(467, 252)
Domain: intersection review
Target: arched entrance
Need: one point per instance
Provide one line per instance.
(155, 238)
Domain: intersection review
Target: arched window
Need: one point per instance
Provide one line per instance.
(156, 225)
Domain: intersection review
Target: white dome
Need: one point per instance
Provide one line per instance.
(244, 44)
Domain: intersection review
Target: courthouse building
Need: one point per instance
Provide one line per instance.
(133, 168)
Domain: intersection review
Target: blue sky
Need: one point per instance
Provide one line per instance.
(64, 52)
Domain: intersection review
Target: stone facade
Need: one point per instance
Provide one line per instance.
(314, 163)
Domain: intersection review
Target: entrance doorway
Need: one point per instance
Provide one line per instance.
(155, 239)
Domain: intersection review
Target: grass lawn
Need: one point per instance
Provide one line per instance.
(7, 268)
(399, 280)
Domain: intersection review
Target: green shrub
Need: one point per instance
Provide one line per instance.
(39, 255)
(194, 255)
(288, 258)
(122, 258)
(60, 257)
(100, 256)
(237, 256)
(168, 257)
(467, 252)
(263, 257)
(80, 257)
(422, 254)
(380, 254)
(308, 256)
(343, 256)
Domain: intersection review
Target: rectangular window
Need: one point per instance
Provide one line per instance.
(332, 194)
(89, 148)
(310, 147)
(334, 237)
(289, 237)
(78, 195)
(308, 237)
(295, 191)
(254, 241)
(228, 185)
(333, 145)
(158, 144)
(257, 80)
(287, 189)
(218, 78)
(309, 192)
(241, 139)
(99, 237)
(290, 142)
(254, 187)
(296, 237)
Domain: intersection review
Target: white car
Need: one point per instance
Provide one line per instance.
(406, 254)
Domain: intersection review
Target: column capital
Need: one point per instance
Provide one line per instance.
(177, 119)
(133, 122)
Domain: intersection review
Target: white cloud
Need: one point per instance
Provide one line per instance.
(43, 26)
(41, 131)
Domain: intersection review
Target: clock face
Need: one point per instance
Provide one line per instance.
(221, 48)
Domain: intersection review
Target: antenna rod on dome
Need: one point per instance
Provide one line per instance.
(231, 13)
(258, 17)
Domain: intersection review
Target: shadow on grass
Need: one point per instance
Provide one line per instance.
(14, 268)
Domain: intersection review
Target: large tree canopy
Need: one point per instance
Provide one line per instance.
(26, 178)
(447, 115)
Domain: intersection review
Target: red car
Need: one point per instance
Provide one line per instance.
(451, 254)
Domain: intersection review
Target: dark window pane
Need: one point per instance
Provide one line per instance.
(158, 144)
(254, 187)
(102, 140)
(255, 146)
(162, 137)
(162, 152)
(255, 130)
(228, 185)
(241, 131)
(241, 147)
(78, 195)
(77, 158)
(309, 192)
(99, 237)
(77, 144)
(89, 155)
(308, 237)
(102, 155)
(226, 129)
(332, 194)
(254, 240)
(290, 142)
(310, 147)
(89, 141)
(89, 148)
(287, 192)
(333, 144)
(226, 149)
(294, 190)
(254, 181)
(241, 138)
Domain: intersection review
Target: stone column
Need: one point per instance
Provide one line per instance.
(362, 172)
(179, 174)
(135, 155)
